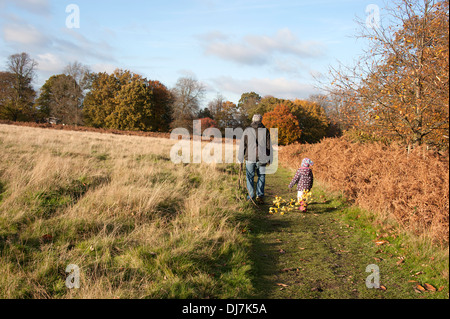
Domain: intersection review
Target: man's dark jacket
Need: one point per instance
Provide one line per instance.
(255, 145)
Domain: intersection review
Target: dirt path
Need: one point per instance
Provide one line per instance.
(317, 254)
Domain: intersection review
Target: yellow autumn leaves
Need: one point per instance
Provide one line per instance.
(282, 206)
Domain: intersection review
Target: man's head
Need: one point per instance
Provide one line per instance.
(257, 118)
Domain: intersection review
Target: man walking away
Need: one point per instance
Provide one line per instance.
(256, 149)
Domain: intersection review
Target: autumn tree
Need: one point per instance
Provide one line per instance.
(121, 100)
(227, 116)
(215, 105)
(287, 124)
(205, 112)
(207, 122)
(332, 113)
(311, 117)
(162, 99)
(268, 103)
(188, 94)
(100, 102)
(7, 110)
(312, 120)
(400, 88)
(61, 97)
(17, 105)
(248, 106)
(81, 74)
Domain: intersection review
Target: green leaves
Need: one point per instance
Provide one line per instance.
(127, 101)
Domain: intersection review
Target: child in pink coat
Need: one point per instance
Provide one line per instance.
(303, 178)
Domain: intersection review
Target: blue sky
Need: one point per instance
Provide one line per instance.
(270, 47)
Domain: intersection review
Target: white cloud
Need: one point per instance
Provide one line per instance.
(49, 62)
(24, 34)
(291, 66)
(260, 49)
(278, 87)
(74, 43)
(41, 7)
(20, 35)
(104, 67)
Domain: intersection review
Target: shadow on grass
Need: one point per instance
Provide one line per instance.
(264, 254)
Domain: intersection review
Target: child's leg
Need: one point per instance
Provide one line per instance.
(299, 195)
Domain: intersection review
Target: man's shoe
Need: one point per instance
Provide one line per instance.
(259, 200)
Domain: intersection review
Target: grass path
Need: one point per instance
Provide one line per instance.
(324, 252)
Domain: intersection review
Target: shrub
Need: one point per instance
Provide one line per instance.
(411, 188)
(288, 127)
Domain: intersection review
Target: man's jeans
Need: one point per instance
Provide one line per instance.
(261, 172)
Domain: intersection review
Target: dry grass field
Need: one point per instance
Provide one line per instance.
(137, 225)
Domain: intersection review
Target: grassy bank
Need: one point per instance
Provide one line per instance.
(137, 225)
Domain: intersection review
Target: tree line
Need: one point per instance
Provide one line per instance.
(125, 100)
(396, 91)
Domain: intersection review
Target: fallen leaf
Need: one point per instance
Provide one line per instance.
(401, 260)
(441, 288)
(383, 288)
(47, 237)
(419, 287)
(430, 287)
(282, 251)
(282, 285)
(381, 242)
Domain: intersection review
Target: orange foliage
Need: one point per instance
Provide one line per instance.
(287, 124)
(400, 89)
(413, 189)
(206, 123)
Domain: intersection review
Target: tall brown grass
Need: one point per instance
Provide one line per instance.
(137, 225)
(412, 189)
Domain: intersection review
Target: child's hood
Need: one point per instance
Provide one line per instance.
(307, 163)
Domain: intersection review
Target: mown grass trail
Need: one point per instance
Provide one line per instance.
(324, 252)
